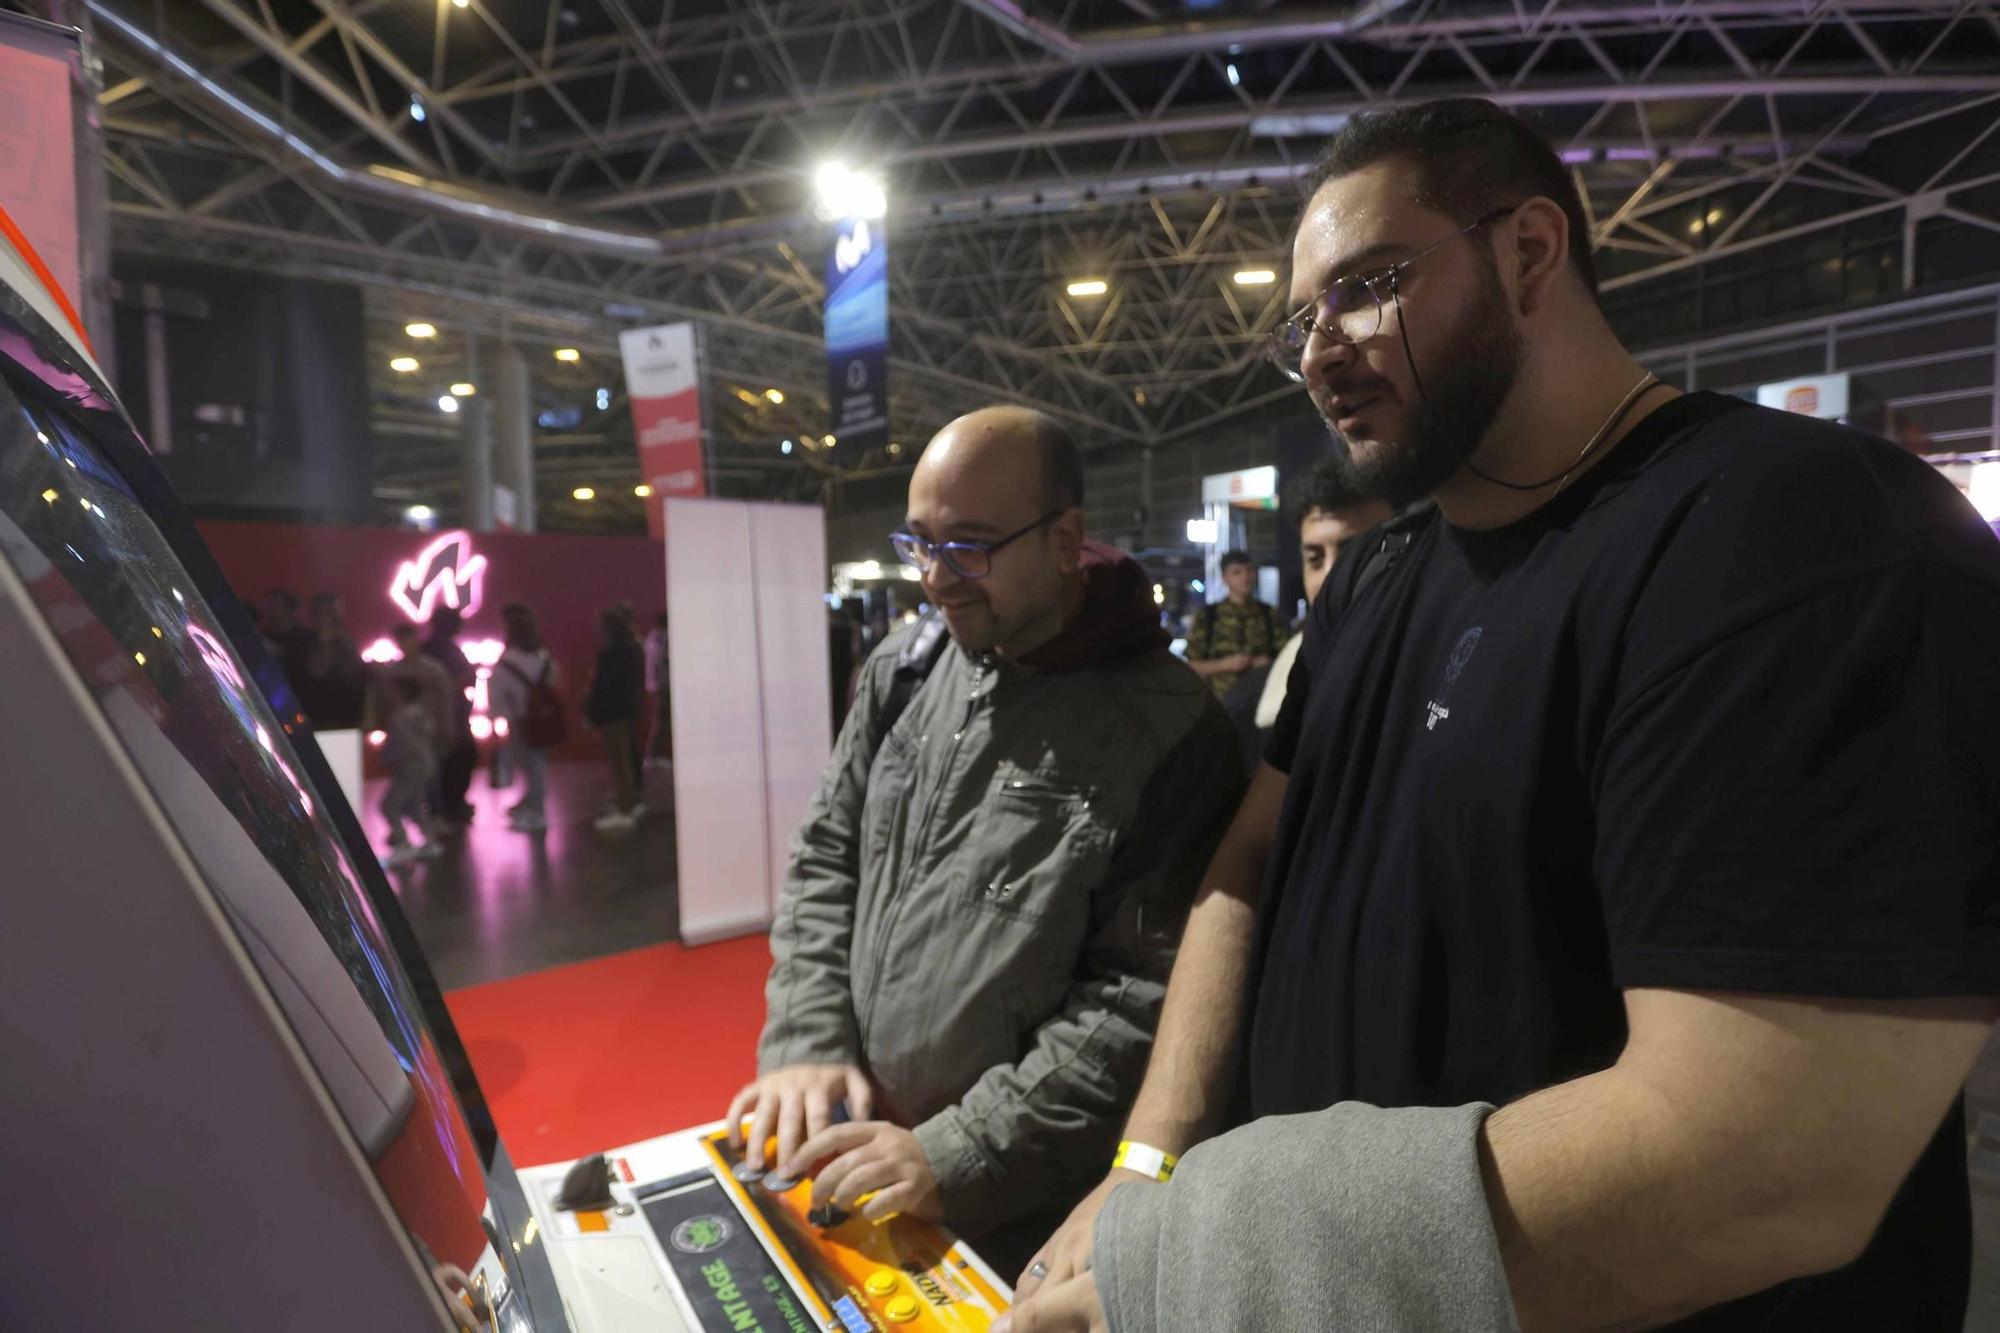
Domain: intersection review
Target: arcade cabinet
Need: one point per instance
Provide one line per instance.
(230, 1097)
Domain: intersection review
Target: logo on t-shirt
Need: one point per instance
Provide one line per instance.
(1454, 666)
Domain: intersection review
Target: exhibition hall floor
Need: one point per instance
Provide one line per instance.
(499, 903)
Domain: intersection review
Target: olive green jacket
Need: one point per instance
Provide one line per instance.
(983, 915)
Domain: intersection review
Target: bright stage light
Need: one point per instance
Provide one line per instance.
(1089, 287)
(421, 330)
(463, 390)
(405, 365)
(447, 403)
(846, 193)
(642, 490)
(568, 354)
(1255, 277)
(1201, 531)
(775, 395)
(419, 514)
(583, 493)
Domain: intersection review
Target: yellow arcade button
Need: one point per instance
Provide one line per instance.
(902, 1310)
(882, 1281)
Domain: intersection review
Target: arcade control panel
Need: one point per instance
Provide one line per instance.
(680, 1235)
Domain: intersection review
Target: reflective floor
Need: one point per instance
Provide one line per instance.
(498, 903)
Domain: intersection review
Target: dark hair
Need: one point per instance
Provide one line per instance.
(1470, 159)
(523, 631)
(405, 627)
(1230, 559)
(1325, 490)
(616, 622)
(1062, 465)
(446, 620)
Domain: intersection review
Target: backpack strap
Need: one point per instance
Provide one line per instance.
(915, 660)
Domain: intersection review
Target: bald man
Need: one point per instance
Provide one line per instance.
(983, 903)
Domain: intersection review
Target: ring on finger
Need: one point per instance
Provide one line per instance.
(1038, 1270)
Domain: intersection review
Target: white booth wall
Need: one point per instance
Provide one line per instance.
(748, 665)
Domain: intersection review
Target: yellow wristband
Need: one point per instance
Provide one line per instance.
(1146, 1160)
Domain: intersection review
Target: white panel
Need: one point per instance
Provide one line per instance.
(719, 812)
(788, 555)
(342, 752)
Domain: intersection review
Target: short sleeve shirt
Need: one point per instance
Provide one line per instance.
(1722, 715)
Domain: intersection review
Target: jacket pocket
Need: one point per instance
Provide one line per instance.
(1039, 849)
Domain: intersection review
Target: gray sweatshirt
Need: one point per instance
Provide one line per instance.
(1355, 1218)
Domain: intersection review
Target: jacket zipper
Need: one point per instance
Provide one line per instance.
(887, 933)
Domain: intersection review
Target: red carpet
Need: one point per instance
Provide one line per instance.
(616, 1049)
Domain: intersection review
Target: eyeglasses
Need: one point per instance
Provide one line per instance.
(1350, 309)
(968, 560)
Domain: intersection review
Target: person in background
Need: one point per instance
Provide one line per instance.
(525, 668)
(284, 638)
(410, 751)
(458, 752)
(333, 682)
(613, 708)
(988, 887)
(1333, 516)
(422, 668)
(1236, 634)
(659, 689)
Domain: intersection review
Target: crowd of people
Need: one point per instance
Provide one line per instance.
(1600, 936)
(422, 703)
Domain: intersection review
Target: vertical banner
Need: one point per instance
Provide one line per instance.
(857, 336)
(38, 146)
(663, 380)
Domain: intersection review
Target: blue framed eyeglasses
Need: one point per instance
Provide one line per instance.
(968, 560)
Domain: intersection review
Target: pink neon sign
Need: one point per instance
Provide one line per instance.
(448, 572)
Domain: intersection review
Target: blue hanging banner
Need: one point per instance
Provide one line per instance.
(857, 336)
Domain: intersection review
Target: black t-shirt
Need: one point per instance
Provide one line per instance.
(1723, 714)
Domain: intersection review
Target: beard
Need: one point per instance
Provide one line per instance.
(1470, 376)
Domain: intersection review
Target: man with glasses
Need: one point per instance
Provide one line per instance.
(1644, 787)
(987, 890)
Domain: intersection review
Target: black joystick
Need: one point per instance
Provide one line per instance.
(587, 1186)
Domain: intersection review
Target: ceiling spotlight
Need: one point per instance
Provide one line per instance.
(417, 112)
(1255, 277)
(829, 441)
(419, 514)
(421, 330)
(463, 390)
(405, 365)
(775, 395)
(1089, 287)
(1235, 77)
(447, 403)
(784, 446)
(461, 3)
(895, 449)
(642, 490)
(568, 354)
(583, 493)
(846, 193)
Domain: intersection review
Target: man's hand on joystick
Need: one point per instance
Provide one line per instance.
(867, 1157)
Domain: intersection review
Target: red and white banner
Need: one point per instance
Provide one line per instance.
(37, 150)
(663, 381)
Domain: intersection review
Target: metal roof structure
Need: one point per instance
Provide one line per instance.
(561, 170)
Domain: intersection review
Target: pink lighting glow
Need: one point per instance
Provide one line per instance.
(484, 654)
(446, 571)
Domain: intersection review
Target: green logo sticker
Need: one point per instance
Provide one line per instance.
(699, 1235)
